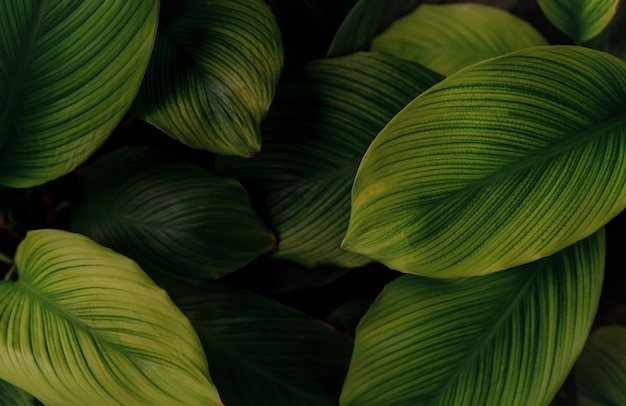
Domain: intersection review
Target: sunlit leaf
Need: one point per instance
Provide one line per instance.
(448, 37)
(83, 325)
(581, 20)
(510, 338)
(179, 222)
(507, 161)
(213, 73)
(69, 70)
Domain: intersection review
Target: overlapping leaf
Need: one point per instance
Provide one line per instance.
(179, 222)
(509, 338)
(213, 73)
(262, 352)
(69, 70)
(12, 396)
(507, 161)
(84, 325)
(581, 20)
(448, 37)
(319, 126)
(601, 369)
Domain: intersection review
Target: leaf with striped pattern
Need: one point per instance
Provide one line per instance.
(213, 74)
(180, 222)
(320, 124)
(509, 338)
(505, 162)
(600, 370)
(84, 325)
(13, 396)
(69, 71)
(581, 20)
(448, 37)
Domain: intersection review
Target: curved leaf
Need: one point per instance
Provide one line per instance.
(12, 396)
(448, 37)
(69, 71)
(213, 73)
(262, 352)
(509, 338)
(581, 20)
(320, 124)
(601, 369)
(84, 325)
(180, 222)
(367, 19)
(507, 161)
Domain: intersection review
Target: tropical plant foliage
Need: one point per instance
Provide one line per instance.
(312, 202)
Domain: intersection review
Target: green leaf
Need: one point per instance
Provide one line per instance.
(581, 20)
(322, 120)
(13, 396)
(180, 222)
(69, 71)
(448, 37)
(213, 73)
(84, 325)
(262, 352)
(507, 161)
(509, 338)
(601, 368)
(366, 20)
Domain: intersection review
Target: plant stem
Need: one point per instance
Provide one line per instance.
(6, 259)
(10, 272)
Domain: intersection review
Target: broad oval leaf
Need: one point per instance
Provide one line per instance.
(213, 74)
(179, 222)
(321, 122)
(366, 20)
(448, 37)
(13, 396)
(600, 370)
(509, 338)
(507, 161)
(69, 71)
(581, 20)
(264, 353)
(84, 325)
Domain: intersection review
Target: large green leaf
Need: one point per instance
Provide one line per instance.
(448, 37)
(180, 222)
(601, 369)
(263, 353)
(84, 325)
(366, 20)
(581, 20)
(320, 124)
(213, 74)
(13, 396)
(69, 70)
(507, 161)
(509, 338)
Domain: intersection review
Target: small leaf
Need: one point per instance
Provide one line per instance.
(262, 352)
(505, 162)
(509, 338)
(448, 37)
(601, 369)
(69, 71)
(13, 396)
(323, 119)
(180, 222)
(213, 73)
(581, 20)
(84, 325)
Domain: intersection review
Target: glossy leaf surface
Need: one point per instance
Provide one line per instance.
(84, 325)
(581, 20)
(213, 73)
(262, 352)
(180, 222)
(69, 70)
(320, 124)
(448, 37)
(509, 338)
(507, 161)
